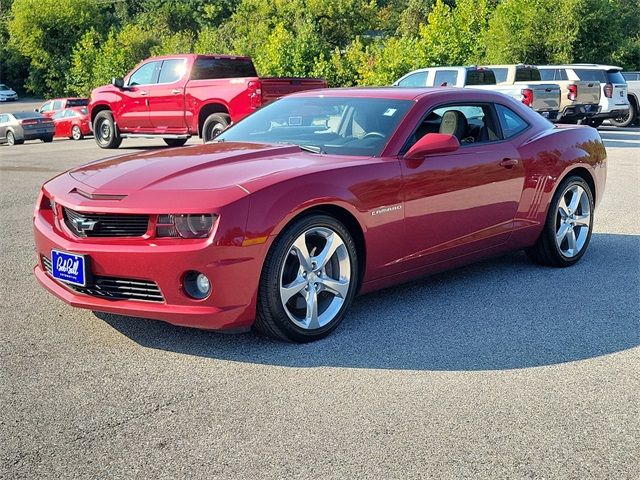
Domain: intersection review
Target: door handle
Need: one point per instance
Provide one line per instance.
(508, 162)
(144, 92)
(176, 91)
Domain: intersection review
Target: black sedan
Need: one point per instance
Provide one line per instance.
(17, 127)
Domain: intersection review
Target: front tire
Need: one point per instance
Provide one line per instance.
(106, 131)
(175, 142)
(625, 120)
(214, 125)
(567, 230)
(309, 279)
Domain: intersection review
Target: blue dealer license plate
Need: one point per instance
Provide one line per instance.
(69, 267)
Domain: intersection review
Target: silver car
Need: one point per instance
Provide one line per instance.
(7, 94)
(17, 127)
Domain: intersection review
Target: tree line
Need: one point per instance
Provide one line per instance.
(68, 47)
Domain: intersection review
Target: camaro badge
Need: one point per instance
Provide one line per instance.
(382, 210)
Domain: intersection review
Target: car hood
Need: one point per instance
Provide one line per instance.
(7, 92)
(212, 166)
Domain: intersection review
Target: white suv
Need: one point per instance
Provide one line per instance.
(613, 100)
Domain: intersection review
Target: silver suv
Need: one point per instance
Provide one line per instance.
(613, 99)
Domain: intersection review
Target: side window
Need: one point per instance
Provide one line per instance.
(47, 107)
(418, 79)
(501, 74)
(172, 70)
(561, 74)
(445, 78)
(590, 75)
(57, 105)
(58, 115)
(4, 118)
(145, 75)
(510, 121)
(469, 123)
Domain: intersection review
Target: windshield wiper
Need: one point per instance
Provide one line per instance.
(311, 148)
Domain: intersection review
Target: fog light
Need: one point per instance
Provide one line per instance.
(197, 285)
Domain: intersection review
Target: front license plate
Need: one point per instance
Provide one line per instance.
(69, 267)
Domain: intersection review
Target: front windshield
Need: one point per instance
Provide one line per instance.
(336, 125)
(3, 87)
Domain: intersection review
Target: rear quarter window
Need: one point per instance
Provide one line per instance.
(500, 74)
(510, 122)
(418, 79)
(209, 68)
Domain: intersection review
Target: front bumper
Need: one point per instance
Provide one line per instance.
(11, 98)
(233, 271)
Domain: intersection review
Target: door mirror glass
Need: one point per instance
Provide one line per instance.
(432, 144)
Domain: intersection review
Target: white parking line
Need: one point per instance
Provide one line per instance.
(636, 142)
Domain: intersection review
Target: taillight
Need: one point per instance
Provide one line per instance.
(608, 90)
(527, 96)
(573, 92)
(255, 93)
(28, 122)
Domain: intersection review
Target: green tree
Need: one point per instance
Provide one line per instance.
(44, 32)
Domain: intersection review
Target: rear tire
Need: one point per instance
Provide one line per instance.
(308, 281)
(11, 139)
(625, 121)
(76, 133)
(175, 142)
(48, 139)
(106, 131)
(567, 230)
(214, 125)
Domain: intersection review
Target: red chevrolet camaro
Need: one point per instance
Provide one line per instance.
(312, 199)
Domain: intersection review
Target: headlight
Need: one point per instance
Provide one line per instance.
(185, 225)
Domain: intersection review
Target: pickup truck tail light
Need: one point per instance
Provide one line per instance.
(573, 92)
(527, 96)
(608, 90)
(255, 94)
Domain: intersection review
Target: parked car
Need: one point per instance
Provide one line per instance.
(17, 127)
(578, 100)
(613, 98)
(281, 220)
(51, 107)
(72, 123)
(543, 98)
(7, 94)
(633, 94)
(178, 96)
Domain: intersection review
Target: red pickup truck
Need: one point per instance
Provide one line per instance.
(177, 96)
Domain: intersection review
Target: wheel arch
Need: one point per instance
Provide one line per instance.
(97, 109)
(209, 109)
(345, 217)
(583, 173)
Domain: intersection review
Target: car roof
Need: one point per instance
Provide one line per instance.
(395, 93)
(195, 55)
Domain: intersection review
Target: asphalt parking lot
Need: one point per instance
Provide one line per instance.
(500, 370)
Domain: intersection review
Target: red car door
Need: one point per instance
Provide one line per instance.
(166, 97)
(461, 202)
(62, 122)
(133, 113)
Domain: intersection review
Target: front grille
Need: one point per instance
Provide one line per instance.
(105, 224)
(116, 288)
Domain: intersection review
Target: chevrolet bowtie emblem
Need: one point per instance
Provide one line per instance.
(84, 224)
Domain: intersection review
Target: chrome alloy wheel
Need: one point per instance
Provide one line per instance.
(573, 221)
(315, 278)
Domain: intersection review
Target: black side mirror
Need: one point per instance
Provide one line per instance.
(117, 82)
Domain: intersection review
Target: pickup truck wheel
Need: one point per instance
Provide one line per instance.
(106, 131)
(627, 119)
(594, 122)
(214, 125)
(175, 142)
